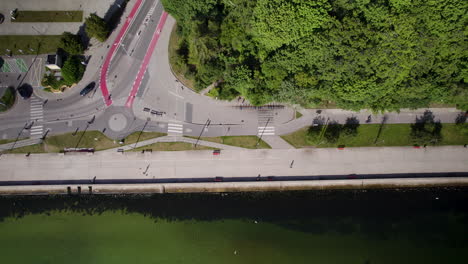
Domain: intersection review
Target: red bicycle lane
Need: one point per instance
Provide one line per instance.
(105, 67)
(144, 65)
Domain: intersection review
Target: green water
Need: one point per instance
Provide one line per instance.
(343, 227)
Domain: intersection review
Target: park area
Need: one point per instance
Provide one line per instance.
(375, 135)
(88, 139)
(30, 45)
(48, 16)
(249, 142)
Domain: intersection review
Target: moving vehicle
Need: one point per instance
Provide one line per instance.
(88, 89)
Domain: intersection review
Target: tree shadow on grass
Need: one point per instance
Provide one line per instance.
(333, 132)
(460, 119)
(426, 130)
(351, 126)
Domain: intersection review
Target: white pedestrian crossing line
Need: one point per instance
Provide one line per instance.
(175, 129)
(37, 115)
(266, 131)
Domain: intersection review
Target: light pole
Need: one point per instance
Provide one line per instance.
(17, 137)
(263, 131)
(207, 123)
(141, 132)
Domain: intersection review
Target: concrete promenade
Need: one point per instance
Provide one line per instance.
(197, 165)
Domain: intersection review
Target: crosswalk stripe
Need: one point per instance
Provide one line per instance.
(176, 125)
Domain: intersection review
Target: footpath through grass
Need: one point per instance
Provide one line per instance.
(39, 44)
(90, 139)
(49, 16)
(391, 135)
(249, 142)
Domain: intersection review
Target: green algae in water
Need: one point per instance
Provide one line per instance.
(342, 229)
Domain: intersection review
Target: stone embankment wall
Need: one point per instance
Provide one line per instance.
(218, 187)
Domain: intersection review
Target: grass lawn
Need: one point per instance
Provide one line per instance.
(5, 141)
(40, 44)
(49, 16)
(172, 146)
(132, 138)
(391, 135)
(178, 69)
(38, 148)
(7, 100)
(298, 114)
(91, 139)
(249, 142)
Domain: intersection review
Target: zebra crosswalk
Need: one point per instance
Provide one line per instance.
(265, 121)
(175, 129)
(266, 131)
(37, 117)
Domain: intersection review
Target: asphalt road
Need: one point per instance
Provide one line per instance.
(185, 112)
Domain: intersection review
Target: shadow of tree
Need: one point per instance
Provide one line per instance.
(426, 130)
(333, 132)
(114, 14)
(350, 127)
(460, 119)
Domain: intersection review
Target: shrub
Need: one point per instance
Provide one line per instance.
(96, 27)
(72, 70)
(71, 43)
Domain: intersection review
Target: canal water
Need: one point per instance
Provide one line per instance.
(352, 226)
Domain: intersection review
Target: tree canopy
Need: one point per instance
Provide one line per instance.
(71, 43)
(72, 70)
(96, 27)
(377, 54)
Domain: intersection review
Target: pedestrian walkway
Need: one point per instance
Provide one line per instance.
(276, 142)
(19, 144)
(37, 117)
(265, 121)
(266, 131)
(175, 129)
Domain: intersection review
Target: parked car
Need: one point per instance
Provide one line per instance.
(87, 89)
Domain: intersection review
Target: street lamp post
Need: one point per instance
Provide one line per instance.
(207, 123)
(17, 137)
(141, 132)
(263, 131)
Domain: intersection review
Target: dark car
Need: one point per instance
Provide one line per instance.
(25, 91)
(87, 89)
(218, 179)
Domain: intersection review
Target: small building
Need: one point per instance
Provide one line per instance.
(54, 62)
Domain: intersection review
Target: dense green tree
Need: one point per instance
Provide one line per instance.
(71, 43)
(72, 70)
(96, 27)
(377, 54)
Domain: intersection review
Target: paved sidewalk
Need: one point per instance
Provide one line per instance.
(169, 165)
(172, 139)
(405, 116)
(20, 143)
(276, 142)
